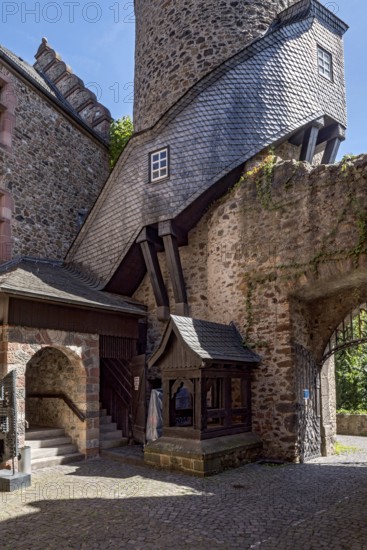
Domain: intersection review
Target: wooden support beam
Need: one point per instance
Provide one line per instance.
(310, 141)
(150, 234)
(298, 137)
(331, 151)
(331, 132)
(174, 267)
(156, 279)
(169, 227)
(167, 403)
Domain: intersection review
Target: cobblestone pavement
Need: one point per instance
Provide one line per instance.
(103, 504)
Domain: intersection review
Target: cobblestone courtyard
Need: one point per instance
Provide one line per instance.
(105, 504)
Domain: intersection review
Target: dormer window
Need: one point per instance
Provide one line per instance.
(159, 165)
(325, 63)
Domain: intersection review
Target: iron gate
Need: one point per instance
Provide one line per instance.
(308, 404)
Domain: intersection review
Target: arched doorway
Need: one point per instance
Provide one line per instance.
(322, 326)
(343, 376)
(56, 386)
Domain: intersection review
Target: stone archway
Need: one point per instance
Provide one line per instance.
(55, 381)
(349, 334)
(320, 323)
(26, 349)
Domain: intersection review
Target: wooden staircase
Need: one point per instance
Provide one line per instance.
(50, 447)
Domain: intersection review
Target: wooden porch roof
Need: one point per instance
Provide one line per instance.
(209, 341)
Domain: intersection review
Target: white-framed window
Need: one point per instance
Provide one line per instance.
(159, 165)
(325, 63)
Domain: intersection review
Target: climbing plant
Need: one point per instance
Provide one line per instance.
(329, 249)
(120, 133)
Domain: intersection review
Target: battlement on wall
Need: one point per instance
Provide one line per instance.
(72, 89)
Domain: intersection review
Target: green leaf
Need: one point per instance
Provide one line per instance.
(120, 133)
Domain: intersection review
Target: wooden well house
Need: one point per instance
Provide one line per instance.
(206, 378)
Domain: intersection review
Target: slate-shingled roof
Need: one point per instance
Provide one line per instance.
(209, 341)
(258, 98)
(52, 282)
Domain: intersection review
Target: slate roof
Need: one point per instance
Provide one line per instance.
(209, 341)
(44, 85)
(259, 97)
(52, 282)
(26, 69)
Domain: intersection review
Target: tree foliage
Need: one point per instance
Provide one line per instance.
(351, 372)
(120, 133)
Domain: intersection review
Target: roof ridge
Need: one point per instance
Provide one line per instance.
(37, 79)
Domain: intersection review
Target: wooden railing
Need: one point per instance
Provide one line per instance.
(72, 406)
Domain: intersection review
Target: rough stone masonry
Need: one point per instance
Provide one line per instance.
(286, 259)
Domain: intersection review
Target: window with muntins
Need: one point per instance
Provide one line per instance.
(159, 165)
(325, 63)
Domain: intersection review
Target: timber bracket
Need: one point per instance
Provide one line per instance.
(152, 241)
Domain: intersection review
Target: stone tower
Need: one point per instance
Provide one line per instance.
(179, 41)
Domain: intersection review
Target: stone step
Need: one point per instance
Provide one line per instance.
(46, 452)
(108, 427)
(105, 419)
(43, 433)
(47, 462)
(48, 442)
(102, 412)
(115, 434)
(110, 443)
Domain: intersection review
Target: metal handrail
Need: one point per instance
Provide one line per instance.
(72, 406)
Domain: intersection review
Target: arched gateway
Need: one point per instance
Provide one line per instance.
(316, 384)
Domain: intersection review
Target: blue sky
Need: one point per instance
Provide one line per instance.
(97, 40)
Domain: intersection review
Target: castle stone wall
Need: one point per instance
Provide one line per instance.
(53, 171)
(177, 43)
(74, 359)
(286, 260)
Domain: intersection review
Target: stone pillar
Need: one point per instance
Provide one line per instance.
(328, 407)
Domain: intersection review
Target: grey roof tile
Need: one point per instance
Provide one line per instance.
(51, 281)
(261, 95)
(209, 341)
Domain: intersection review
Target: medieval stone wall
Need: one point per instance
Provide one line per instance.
(352, 424)
(38, 355)
(53, 171)
(177, 43)
(285, 258)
